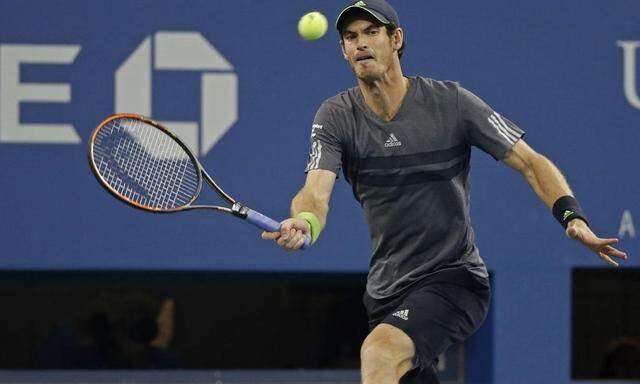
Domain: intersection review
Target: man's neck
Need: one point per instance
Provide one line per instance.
(384, 96)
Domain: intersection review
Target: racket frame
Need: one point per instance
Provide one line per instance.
(236, 208)
(254, 217)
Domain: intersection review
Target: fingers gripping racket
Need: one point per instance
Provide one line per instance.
(145, 165)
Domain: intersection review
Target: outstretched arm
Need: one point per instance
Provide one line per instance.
(549, 184)
(313, 198)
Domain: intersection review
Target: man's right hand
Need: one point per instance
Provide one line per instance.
(291, 235)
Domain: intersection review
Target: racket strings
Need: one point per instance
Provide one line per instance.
(145, 165)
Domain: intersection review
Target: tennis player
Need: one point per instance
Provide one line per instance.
(404, 144)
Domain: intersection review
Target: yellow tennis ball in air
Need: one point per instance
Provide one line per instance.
(312, 26)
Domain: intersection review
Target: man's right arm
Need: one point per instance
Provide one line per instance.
(312, 198)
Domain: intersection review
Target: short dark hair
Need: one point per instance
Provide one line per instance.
(391, 29)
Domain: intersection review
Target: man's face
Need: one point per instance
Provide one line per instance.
(368, 49)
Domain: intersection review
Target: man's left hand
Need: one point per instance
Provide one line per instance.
(579, 230)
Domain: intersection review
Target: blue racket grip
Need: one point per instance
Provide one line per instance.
(268, 224)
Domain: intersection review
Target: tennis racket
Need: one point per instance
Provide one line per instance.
(148, 167)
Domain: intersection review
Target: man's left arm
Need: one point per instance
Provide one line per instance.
(549, 184)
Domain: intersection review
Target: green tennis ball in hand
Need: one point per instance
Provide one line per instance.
(312, 26)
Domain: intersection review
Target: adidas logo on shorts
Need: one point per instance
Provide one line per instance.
(403, 314)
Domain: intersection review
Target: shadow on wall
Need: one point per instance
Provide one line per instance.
(622, 360)
(120, 331)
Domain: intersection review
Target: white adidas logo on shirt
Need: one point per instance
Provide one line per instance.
(403, 314)
(392, 141)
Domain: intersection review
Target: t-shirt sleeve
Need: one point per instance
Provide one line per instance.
(326, 148)
(486, 128)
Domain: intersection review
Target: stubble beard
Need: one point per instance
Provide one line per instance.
(370, 75)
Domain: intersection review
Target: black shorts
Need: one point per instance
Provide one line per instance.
(442, 309)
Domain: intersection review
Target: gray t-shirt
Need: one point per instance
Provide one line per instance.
(411, 175)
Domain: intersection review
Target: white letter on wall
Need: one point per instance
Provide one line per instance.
(12, 93)
(630, 91)
(626, 225)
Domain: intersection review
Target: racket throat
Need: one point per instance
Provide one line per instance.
(239, 210)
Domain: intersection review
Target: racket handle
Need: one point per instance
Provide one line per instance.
(268, 224)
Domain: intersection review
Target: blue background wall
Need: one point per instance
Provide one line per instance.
(552, 67)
